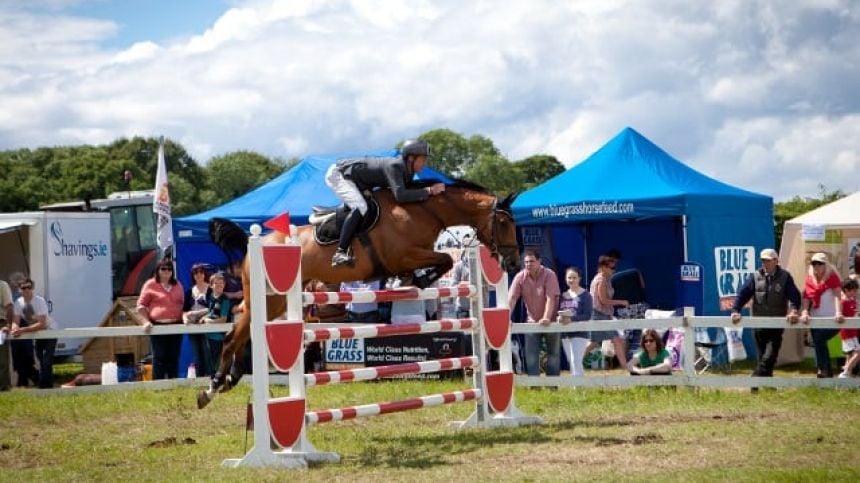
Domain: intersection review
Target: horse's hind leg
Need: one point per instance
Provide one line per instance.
(231, 354)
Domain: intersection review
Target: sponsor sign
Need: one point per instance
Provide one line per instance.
(344, 351)
(691, 273)
(414, 348)
(734, 264)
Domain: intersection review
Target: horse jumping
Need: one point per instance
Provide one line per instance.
(401, 242)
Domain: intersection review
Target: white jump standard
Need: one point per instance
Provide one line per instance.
(285, 420)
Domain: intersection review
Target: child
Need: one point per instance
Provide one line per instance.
(850, 344)
(219, 312)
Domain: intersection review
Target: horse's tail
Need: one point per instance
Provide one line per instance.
(230, 237)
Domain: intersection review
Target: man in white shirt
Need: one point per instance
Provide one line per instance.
(34, 309)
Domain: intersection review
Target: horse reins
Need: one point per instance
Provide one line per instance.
(496, 246)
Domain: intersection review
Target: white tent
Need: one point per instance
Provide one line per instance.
(833, 229)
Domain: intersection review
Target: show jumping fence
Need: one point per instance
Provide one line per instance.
(285, 420)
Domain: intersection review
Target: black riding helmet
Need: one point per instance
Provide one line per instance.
(414, 147)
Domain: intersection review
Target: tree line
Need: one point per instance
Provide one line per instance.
(66, 173)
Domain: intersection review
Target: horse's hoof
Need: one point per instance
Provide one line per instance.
(228, 384)
(202, 399)
(421, 281)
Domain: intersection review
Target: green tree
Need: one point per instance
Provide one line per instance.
(496, 174)
(139, 156)
(23, 184)
(454, 154)
(70, 173)
(234, 174)
(538, 168)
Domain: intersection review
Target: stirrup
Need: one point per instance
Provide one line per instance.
(342, 258)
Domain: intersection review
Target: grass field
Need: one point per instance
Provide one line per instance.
(589, 434)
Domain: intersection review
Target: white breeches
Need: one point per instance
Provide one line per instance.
(345, 189)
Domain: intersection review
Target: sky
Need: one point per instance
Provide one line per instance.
(760, 94)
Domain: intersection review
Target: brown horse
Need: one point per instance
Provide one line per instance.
(402, 242)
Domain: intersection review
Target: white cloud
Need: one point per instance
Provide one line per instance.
(137, 52)
(786, 157)
(734, 88)
(236, 24)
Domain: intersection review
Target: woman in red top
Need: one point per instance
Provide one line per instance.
(821, 298)
(160, 302)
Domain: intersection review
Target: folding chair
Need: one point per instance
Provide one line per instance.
(711, 351)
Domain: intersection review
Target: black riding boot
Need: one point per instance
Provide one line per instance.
(350, 224)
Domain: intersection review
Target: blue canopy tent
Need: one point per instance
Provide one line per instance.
(633, 196)
(295, 191)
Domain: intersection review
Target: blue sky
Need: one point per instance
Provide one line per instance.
(141, 20)
(761, 94)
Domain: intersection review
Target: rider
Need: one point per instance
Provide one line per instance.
(348, 178)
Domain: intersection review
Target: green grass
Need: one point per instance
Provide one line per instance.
(593, 434)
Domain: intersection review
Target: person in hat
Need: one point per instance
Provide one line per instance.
(348, 178)
(773, 294)
(822, 298)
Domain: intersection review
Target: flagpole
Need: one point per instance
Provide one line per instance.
(161, 206)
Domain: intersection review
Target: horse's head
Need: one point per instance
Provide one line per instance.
(466, 203)
(500, 234)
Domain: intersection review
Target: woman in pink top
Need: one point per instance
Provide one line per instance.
(160, 302)
(604, 305)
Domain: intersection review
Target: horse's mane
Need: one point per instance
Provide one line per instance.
(455, 183)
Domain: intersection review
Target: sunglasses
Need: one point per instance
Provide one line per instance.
(165, 269)
(817, 264)
(27, 287)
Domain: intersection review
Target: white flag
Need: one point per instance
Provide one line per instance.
(161, 203)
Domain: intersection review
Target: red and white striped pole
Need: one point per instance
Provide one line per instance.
(366, 332)
(392, 295)
(352, 412)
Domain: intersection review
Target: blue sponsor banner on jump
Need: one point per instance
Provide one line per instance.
(344, 351)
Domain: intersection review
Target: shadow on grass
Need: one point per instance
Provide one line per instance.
(410, 451)
(421, 452)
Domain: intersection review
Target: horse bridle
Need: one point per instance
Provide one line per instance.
(496, 247)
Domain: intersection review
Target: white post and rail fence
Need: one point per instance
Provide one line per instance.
(686, 377)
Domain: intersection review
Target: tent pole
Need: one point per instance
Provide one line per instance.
(586, 274)
(684, 236)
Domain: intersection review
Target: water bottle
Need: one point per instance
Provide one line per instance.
(192, 371)
(109, 373)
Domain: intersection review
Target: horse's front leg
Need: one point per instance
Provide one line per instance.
(234, 343)
(430, 266)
